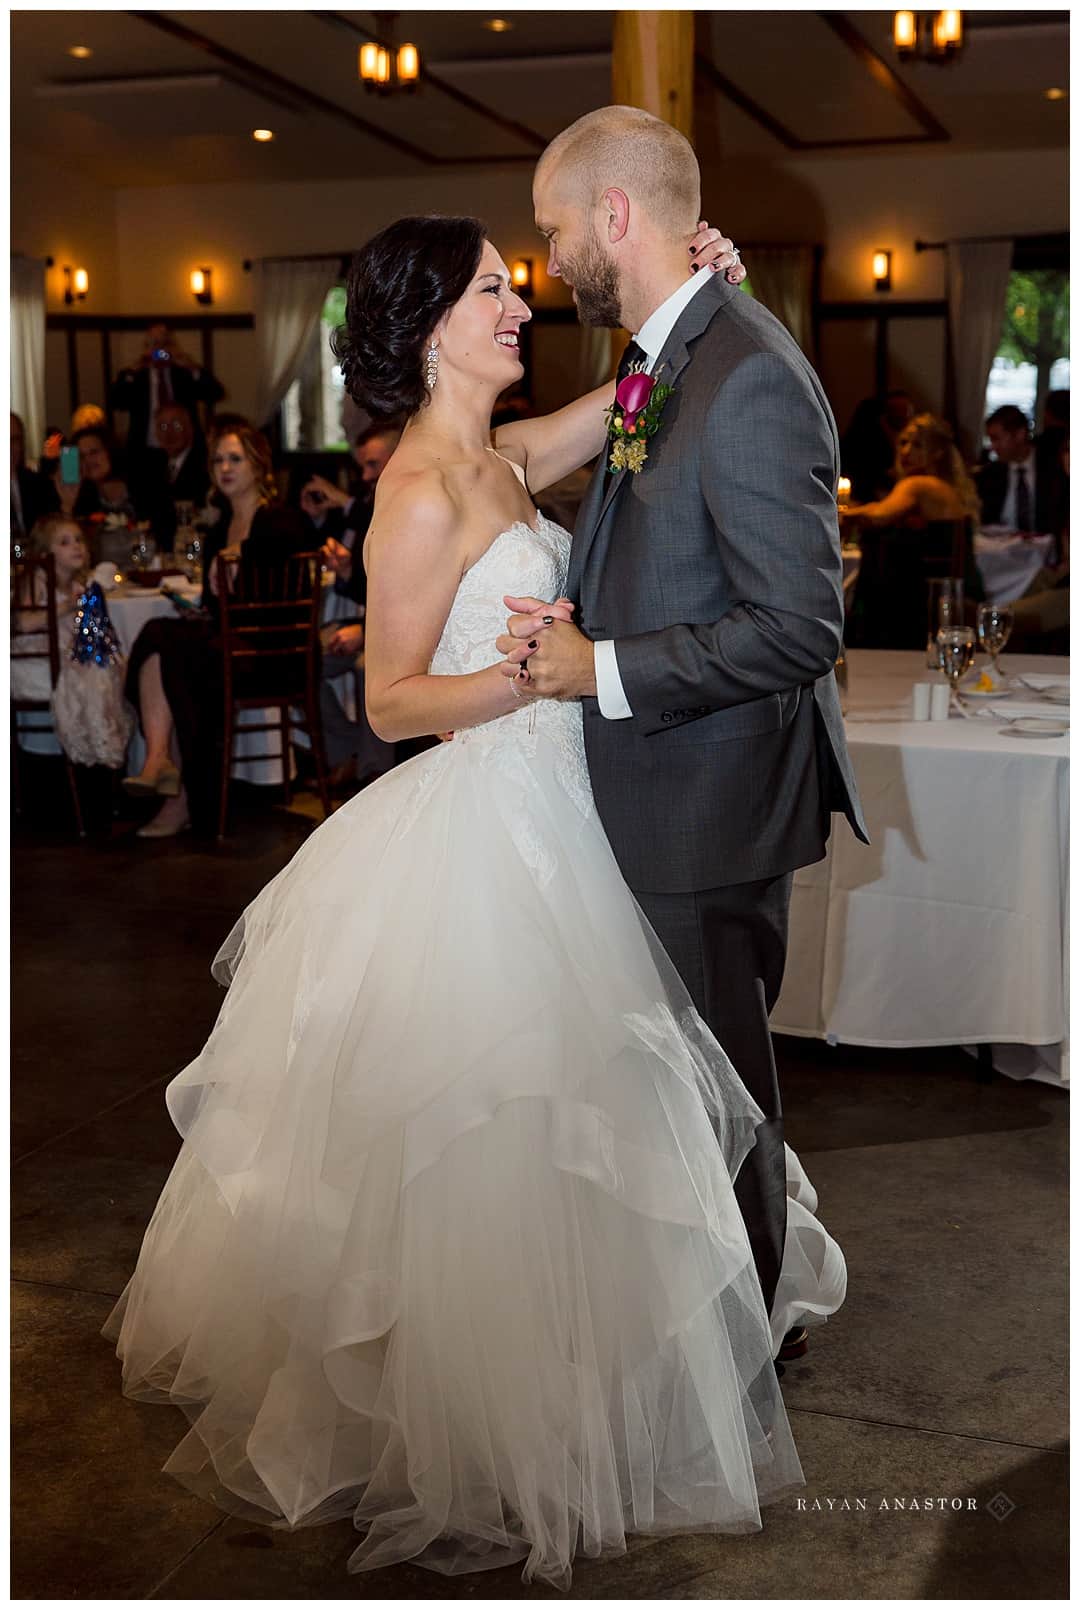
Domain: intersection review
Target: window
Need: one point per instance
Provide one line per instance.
(1033, 355)
(312, 410)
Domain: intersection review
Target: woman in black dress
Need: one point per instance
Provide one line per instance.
(174, 674)
(923, 529)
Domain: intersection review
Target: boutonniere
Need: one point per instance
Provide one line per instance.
(633, 417)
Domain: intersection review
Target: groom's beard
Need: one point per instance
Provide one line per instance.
(596, 287)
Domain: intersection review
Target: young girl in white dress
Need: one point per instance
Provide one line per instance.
(451, 1246)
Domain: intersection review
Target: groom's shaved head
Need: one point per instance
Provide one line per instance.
(627, 149)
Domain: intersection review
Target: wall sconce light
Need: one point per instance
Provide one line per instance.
(201, 289)
(76, 284)
(883, 271)
(521, 276)
(408, 66)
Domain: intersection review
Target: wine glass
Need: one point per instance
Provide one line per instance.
(946, 608)
(956, 653)
(994, 623)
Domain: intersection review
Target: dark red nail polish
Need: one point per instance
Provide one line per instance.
(533, 643)
(694, 267)
(693, 251)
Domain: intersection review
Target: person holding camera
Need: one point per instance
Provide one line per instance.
(164, 374)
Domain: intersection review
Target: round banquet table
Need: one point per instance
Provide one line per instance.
(951, 927)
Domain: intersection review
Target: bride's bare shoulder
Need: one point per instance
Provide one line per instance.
(417, 515)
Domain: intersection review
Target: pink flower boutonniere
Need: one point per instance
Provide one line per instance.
(633, 417)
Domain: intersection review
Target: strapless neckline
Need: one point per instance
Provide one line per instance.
(515, 526)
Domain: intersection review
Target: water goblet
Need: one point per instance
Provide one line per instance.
(956, 654)
(994, 624)
(946, 608)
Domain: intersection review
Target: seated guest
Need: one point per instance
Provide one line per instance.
(1041, 616)
(910, 535)
(1022, 485)
(32, 494)
(343, 517)
(108, 487)
(164, 373)
(56, 534)
(175, 670)
(353, 751)
(180, 460)
(868, 447)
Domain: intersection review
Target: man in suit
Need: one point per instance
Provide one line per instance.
(1022, 485)
(164, 374)
(709, 599)
(180, 460)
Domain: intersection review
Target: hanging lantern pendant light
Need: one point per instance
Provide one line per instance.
(936, 36)
(384, 66)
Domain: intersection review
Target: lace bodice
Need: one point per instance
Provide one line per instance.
(523, 561)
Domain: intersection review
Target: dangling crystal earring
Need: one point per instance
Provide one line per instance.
(431, 367)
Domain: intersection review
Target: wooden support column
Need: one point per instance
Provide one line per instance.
(652, 66)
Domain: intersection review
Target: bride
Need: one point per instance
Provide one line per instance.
(451, 1245)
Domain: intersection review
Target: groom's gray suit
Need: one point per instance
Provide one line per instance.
(716, 570)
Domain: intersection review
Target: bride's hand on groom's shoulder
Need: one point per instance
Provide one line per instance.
(713, 250)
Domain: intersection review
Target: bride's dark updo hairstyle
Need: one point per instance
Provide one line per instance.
(399, 286)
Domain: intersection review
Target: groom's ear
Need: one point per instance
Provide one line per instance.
(615, 213)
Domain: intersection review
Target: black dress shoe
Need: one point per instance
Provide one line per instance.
(795, 1344)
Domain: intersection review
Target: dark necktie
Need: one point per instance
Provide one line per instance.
(1023, 500)
(633, 354)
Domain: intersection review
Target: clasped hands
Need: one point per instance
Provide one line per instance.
(545, 654)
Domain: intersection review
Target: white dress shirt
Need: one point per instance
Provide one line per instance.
(1008, 507)
(651, 338)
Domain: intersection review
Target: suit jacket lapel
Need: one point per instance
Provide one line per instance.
(692, 322)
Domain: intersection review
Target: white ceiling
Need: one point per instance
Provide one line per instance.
(771, 82)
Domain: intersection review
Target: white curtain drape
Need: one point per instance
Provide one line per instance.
(978, 280)
(28, 347)
(782, 279)
(288, 301)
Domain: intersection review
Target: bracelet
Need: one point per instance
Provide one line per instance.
(513, 689)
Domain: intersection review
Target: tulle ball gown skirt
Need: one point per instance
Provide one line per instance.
(451, 1246)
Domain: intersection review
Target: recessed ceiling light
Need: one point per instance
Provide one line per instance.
(80, 52)
(262, 135)
(498, 25)
(1055, 94)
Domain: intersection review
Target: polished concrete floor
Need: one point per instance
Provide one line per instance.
(941, 1378)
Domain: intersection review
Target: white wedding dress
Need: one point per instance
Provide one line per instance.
(451, 1245)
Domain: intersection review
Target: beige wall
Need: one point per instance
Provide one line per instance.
(140, 244)
(57, 213)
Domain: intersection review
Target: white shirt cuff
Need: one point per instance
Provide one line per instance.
(610, 693)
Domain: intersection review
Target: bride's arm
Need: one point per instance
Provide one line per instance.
(415, 554)
(550, 447)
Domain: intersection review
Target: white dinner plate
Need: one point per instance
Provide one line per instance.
(983, 693)
(1036, 727)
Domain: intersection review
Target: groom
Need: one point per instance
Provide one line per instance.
(709, 602)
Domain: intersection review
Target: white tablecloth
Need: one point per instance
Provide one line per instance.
(1008, 563)
(951, 927)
